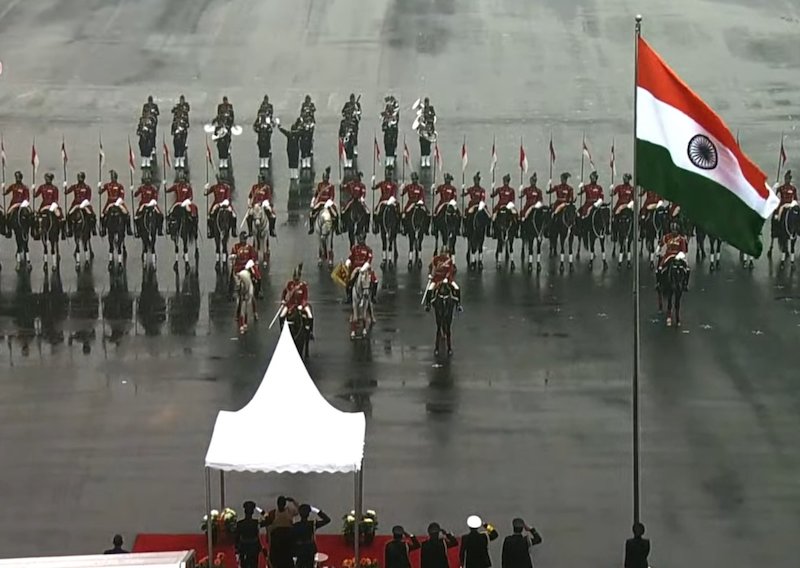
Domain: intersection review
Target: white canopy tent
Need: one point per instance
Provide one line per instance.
(287, 386)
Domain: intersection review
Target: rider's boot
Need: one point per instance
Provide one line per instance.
(272, 227)
(102, 225)
(69, 230)
(426, 299)
(209, 225)
(373, 291)
(310, 327)
(259, 294)
(311, 224)
(94, 226)
(249, 226)
(349, 292)
(457, 294)
(375, 222)
(686, 283)
(160, 225)
(128, 227)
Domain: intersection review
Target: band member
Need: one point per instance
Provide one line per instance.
(326, 192)
(182, 108)
(81, 198)
(440, 269)
(150, 108)
(295, 297)
(433, 553)
(225, 114)
(115, 196)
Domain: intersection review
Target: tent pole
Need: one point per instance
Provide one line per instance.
(357, 527)
(221, 490)
(209, 528)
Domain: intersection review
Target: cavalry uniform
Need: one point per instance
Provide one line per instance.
(325, 192)
(674, 210)
(19, 194)
(183, 192)
(147, 194)
(295, 297)
(415, 193)
(80, 192)
(440, 269)
(49, 196)
(388, 191)
(221, 192)
(360, 254)
(505, 195)
(356, 190)
(260, 196)
(624, 194)
(672, 244)
(592, 193)
(447, 193)
(532, 195)
(476, 194)
(651, 201)
(242, 254)
(788, 195)
(114, 191)
(564, 195)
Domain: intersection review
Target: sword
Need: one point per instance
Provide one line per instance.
(274, 319)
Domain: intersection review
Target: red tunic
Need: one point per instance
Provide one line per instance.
(325, 191)
(359, 255)
(259, 193)
(388, 189)
(532, 195)
(183, 191)
(446, 193)
(221, 192)
(80, 192)
(441, 268)
(624, 193)
(505, 194)
(592, 192)
(113, 191)
(651, 199)
(295, 295)
(146, 193)
(476, 194)
(564, 194)
(19, 193)
(49, 194)
(673, 243)
(415, 193)
(242, 253)
(788, 193)
(356, 190)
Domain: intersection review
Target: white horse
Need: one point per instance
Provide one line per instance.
(245, 297)
(362, 318)
(325, 231)
(260, 216)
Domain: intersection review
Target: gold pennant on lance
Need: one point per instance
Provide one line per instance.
(340, 274)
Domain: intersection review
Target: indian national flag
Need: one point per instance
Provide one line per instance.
(686, 154)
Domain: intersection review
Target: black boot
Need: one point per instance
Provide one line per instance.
(375, 229)
(311, 225)
(102, 226)
(272, 227)
(426, 299)
(249, 226)
(310, 327)
(457, 294)
(349, 294)
(209, 232)
(94, 226)
(373, 291)
(259, 295)
(128, 227)
(161, 226)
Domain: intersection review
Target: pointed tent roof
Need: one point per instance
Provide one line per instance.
(285, 395)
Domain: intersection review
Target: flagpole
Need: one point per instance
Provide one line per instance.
(130, 169)
(99, 169)
(636, 316)
(207, 178)
(374, 160)
(164, 178)
(433, 185)
(550, 178)
(63, 156)
(583, 153)
(463, 169)
(494, 166)
(613, 161)
(33, 172)
(3, 190)
(780, 160)
(404, 159)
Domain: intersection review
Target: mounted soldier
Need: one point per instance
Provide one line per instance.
(184, 197)
(442, 268)
(533, 198)
(222, 198)
(48, 193)
(360, 257)
(245, 258)
(81, 199)
(326, 192)
(115, 197)
(388, 189)
(295, 296)
(148, 197)
(261, 196)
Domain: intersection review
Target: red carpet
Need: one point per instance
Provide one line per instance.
(332, 545)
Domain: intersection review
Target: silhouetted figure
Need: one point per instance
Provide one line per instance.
(434, 550)
(117, 542)
(248, 545)
(637, 548)
(474, 551)
(396, 553)
(278, 523)
(305, 545)
(517, 547)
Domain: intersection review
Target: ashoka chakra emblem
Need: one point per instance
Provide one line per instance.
(702, 152)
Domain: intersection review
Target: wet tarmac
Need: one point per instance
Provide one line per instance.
(111, 383)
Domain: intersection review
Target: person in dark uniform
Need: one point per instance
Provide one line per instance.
(396, 553)
(248, 543)
(305, 545)
(637, 548)
(117, 542)
(434, 550)
(278, 523)
(517, 547)
(474, 551)
(293, 147)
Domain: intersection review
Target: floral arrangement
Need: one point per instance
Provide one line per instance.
(219, 561)
(368, 525)
(225, 520)
(365, 563)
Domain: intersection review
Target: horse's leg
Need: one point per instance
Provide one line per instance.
(449, 337)
(498, 251)
(570, 241)
(436, 340)
(669, 307)
(603, 251)
(678, 294)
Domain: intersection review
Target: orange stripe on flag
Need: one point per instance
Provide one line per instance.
(664, 84)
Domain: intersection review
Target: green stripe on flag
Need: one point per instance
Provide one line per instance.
(705, 202)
